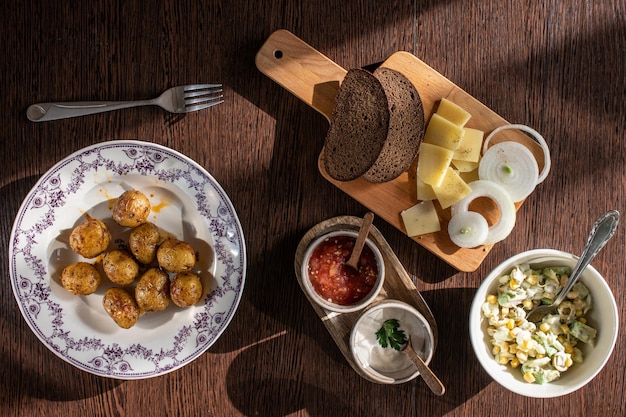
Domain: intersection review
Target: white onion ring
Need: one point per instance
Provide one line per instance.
(535, 135)
(511, 165)
(468, 229)
(483, 188)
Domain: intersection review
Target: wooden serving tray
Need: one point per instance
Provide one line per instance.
(315, 79)
(397, 286)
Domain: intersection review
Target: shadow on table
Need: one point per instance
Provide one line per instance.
(337, 389)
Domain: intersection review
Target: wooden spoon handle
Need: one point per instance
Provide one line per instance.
(364, 230)
(434, 383)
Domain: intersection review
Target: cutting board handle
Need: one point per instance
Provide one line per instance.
(301, 69)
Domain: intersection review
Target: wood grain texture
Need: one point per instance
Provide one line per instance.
(556, 66)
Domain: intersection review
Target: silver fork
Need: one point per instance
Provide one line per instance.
(181, 99)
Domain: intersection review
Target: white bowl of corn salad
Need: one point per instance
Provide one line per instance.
(561, 353)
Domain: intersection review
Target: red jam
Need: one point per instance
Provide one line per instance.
(337, 282)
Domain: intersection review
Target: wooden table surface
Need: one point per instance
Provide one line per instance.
(556, 66)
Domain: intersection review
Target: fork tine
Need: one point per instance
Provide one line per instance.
(203, 106)
(201, 86)
(201, 96)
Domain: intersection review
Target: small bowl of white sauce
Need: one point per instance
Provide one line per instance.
(388, 365)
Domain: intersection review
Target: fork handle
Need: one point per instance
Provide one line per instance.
(42, 112)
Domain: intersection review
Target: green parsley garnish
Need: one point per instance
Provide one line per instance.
(391, 335)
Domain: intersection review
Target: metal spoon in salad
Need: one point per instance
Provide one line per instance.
(603, 229)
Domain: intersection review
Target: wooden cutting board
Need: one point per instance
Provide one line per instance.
(315, 79)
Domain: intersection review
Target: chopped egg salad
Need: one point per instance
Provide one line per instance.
(542, 351)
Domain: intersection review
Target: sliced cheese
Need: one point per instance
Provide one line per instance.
(469, 176)
(444, 133)
(470, 146)
(432, 163)
(453, 112)
(464, 166)
(420, 219)
(452, 189)
(424, 191)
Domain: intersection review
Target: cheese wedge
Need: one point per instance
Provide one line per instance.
(470, 146)
(421, 219)
(432, 163)
(424, 191)
(444, 133)
(452, 189)
(453, 112)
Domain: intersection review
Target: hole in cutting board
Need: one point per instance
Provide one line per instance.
(278, 54)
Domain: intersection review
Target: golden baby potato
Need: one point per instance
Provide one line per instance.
(90, 238)
(120, 267)
(185, 289)
(144, 241)
(176, 256)
(152, 290)
(131, 209)
(81, 278)
(121, 306)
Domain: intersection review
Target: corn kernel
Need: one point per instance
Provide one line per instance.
(529, 377)
(503, 360)
(540, 355)
(569, 362)
(514, 283)
(582, 320)
(510, 324)
(521, 356)
(532, 279)
(514, 362)
(527, 304)
(505, 346)
(544, 327)
(572, 295)
(564, 328)
(513, 348)
(492, 299)
(568, 348)
(495, 350)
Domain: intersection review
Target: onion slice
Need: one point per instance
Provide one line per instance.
(535, 135)
(468, 229)
(483, 188)
(511, 165)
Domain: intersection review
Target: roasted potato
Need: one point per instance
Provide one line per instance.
(90, 238)
(120, 267)
(152, 290)
(121, 306)
(185, 289)
(176, 256)
(81, 278)
(144, 241)
(131, 209)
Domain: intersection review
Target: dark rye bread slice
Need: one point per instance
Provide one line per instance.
(358, 127)
(406, 127)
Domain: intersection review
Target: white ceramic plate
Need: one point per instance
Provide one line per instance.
(187, 202)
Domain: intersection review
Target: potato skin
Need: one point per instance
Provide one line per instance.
(120, 267)
(90, 238)
(152, 290)
(81, 278)
(144, 241)
(131, 209)
(121, 306)
(185, 289)
(176, 256)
